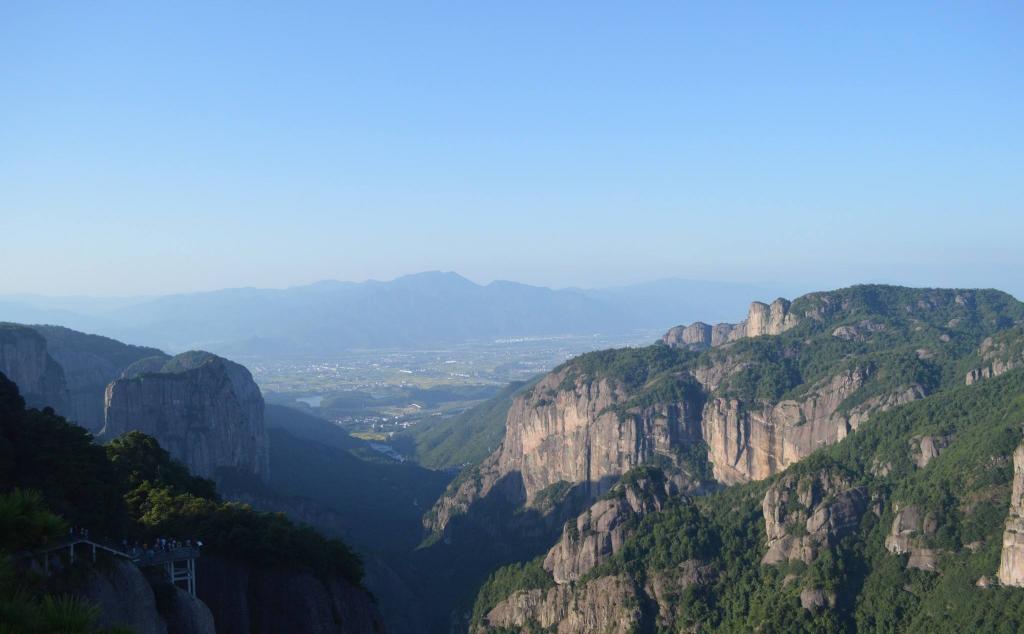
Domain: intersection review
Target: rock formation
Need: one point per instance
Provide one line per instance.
(205, 410)
(90, 363)
(753, 441)
(606, 604)
(1011, 561)
(805, 515)
(571, 429)
(696, 336)
(247, 599)
(599, 532)
(924, 449)
(910, 533)
(24, 359)
(762, 319)
(611, 603)
(998, 355)
(125, 598)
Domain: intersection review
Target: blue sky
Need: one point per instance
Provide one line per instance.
(190, 146)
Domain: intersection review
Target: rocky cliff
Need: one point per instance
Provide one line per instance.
(574, 429)
(90, 363)
(1011, 561)
(806, 515)
(601, 530)
(998, 354)
(125, 598)
(762, 319)
(751, 441)
(24, 359)
(247, 599)
(205, 410)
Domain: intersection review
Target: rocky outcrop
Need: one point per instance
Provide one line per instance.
(664, 588)
(910, 533)
(998, 355)
(610, 603)
(762, 319)
(24, 359)
(186, 614)
(751, 442)
(606, 604)
(805, 515)
(89, 363)
(600, 531)
(1011, 561)
(924, 449)
(696, 336)
(577, 431)
(860, 331)
(815, 599)
(124, 598)
(248, 599)
(205, 410)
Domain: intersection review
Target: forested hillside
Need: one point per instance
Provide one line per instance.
(53, 476)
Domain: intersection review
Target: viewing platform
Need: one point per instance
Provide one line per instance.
(179, 563)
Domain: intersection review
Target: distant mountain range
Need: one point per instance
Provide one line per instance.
(425, 309)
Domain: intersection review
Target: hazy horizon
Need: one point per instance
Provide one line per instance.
(154, 150)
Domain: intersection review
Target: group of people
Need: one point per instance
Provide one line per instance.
(159, 545)
(144, 550)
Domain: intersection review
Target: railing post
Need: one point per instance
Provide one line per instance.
(72, 552)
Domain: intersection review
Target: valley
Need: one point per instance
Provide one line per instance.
(846, 439)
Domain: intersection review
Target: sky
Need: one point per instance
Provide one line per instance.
(150, 148)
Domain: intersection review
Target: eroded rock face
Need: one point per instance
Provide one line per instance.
(599, 532)
(997, 357)
(205, 410)
(803, 516)
(910, 532)
(90, 363)
(762, 319)
(924, 449)
(606, 604)
(186, 614)
(25, 359)
(124, 598)
(569, 430)
(246, 599)
(696, 336)
(751, 442)
(1011, 561)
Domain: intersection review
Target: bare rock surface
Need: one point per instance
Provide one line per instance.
(606, 604)
(25, 359)
(1011, 561)
(805, 515)
(205, 410)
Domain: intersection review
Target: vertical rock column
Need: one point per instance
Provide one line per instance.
(1011, 563)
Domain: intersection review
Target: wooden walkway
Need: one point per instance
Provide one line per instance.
(179, 563)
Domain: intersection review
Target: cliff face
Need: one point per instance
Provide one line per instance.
(205, 410)
(1011, 562)
(997, 355)
(803, 516)
(250, 600)
(24, 359)
(606, 604)
(613, 603)
(600, 531)
(125, 598)
(753, 441)
(90, 363)
(575, 431)
(762, 319)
